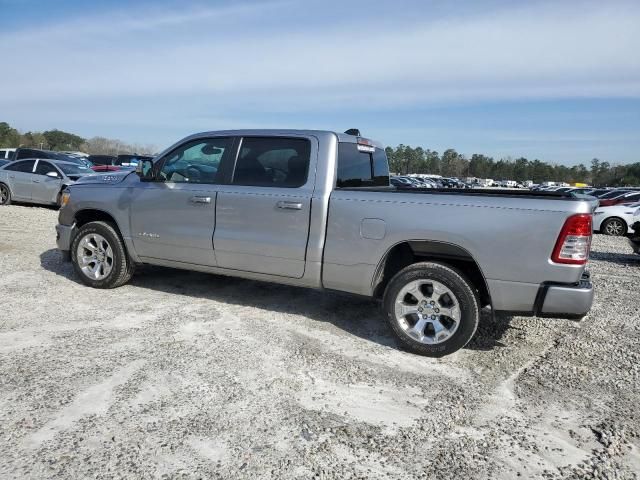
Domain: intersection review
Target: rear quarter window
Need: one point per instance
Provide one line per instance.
(358, 168)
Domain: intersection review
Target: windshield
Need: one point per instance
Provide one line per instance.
(70, 169)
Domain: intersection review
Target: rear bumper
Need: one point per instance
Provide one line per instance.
(565, 301)
(64, 234)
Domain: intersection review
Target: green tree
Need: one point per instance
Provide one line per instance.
(59, 140)
(9, 137)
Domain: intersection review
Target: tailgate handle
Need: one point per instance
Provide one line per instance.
(289, 205)
(198, 199)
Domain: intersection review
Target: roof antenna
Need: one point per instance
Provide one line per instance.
(353, 131)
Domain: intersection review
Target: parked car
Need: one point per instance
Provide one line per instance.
(104, 163)
(627, 197)
(7, 153)
(37, 181)
(612, 192)
(314, 209)
(33, 153)
(131, 160)
(615, 220)
(402, 182)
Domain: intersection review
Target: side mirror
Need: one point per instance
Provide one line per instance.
(144, 169)
(53, 174)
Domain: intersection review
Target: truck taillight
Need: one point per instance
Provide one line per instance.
(574, 240)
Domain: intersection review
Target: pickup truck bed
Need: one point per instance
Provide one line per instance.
(314, 209)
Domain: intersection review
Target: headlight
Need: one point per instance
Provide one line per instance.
(66, 195)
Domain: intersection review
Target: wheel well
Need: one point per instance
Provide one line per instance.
(407, 253)
(86, 216)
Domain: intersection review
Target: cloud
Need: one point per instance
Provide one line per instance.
(543, 51)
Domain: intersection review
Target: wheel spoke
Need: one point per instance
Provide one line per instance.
(86, 260)
(86, 243)
(403, 309)
(415, 291)
(439, 329)
(453, 312)
(418, 329)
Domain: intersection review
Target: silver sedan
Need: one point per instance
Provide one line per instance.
(37, 181)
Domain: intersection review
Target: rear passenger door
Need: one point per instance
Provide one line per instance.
(262, 220)
(18, 176)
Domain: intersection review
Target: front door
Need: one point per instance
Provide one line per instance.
(173, 218)
(45, 188)
(262, 222)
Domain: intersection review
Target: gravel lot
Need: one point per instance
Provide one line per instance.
(186, 375)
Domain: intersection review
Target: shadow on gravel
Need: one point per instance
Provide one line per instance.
(35, 206)
(355, 315)
(490, 332)
(617, 258)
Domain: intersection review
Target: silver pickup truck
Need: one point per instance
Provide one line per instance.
(315, 209)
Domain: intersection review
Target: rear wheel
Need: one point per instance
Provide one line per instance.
(615, 227)
(5, 195)
(99, 257)
(432, 308)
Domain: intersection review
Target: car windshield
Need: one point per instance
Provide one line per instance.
(71, 169)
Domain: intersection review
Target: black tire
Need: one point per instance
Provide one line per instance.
(122, 267)
(5, 194)
(462, 289)
(614, 226)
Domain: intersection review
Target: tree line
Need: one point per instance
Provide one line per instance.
(64, 141)
(402, 160)
(405, 159)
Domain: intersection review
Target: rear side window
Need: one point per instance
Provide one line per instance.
(357, 168)
(272, 162)
(25, 166)
(26, 153)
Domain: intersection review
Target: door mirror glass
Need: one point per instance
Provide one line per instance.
(144, 169)
(53, 174)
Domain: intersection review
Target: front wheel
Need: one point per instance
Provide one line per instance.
(99, 256)
(432, 309)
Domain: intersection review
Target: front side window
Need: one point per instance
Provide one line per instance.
(25, 166)
(272, 162)
(361, 167)
(197, 161)
(45, 167)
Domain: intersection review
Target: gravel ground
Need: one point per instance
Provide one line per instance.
(186, 375)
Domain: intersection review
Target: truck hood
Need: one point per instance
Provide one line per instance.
(110, 178)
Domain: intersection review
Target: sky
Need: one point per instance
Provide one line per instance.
(557, 81)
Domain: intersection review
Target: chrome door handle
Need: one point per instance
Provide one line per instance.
(289, 205)
(198, 199)
(35, 181)
(12, 176)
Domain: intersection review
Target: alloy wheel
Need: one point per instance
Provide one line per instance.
(95, 256)
(427, 311)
